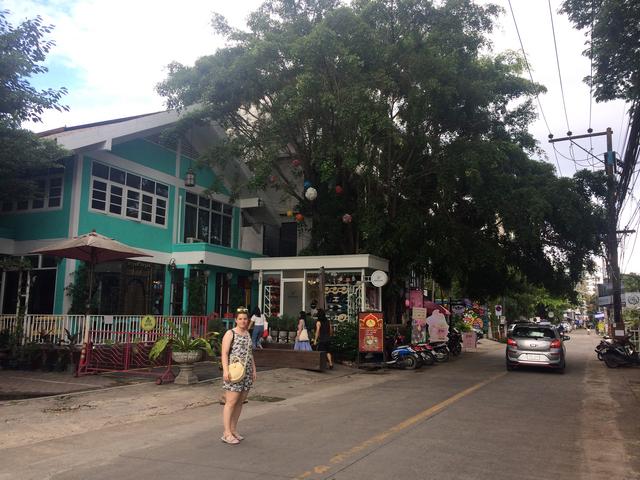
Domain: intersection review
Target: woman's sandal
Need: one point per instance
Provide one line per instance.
(238, 436)
(231, 441)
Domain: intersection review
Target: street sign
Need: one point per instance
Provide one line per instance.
(379, 278)
(498, 310)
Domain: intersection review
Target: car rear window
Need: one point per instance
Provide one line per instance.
(534, 332)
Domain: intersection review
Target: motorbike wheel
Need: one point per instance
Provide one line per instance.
(610, 361)
(410, 362)
(600, 356)
(442, 356)
(428, 358)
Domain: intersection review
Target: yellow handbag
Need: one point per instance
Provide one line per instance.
(237, 369)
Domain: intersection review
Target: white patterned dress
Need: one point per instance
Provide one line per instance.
(241, 348)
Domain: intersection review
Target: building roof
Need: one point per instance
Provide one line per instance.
(329, 262)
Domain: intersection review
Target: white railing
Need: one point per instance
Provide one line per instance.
(102, 329)
(8, 323)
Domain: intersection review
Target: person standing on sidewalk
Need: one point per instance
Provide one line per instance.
(236, 342)
(322, 337)
(302, 335)
(257, 322)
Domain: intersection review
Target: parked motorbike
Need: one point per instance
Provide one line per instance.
(425, 351)
(604, 343)
(440, 351)
(404, 356)
(617, 354)
(455, 341)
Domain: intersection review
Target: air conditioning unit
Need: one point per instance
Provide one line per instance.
(193, 240)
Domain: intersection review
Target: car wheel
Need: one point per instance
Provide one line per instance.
(510, 367)
(562, 366)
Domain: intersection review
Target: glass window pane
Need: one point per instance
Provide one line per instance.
(146, 207)
(117, 176)
(133, 205)
(148, 185)
(204, 202)
(98, 185)
(203, 225)
(161, 211)
(190, 221)
(133, 194)
(191, 198)
(162, 190)
(37, 204)
(23, 204)
(133, 181)
(216, 228)
(227, 209)
(55, 182)
(99, 195)
(117, 209)
(100, 170)
(55, 192)
(146, 216)
(55, 202)
(115, 190)
(48, 261)
(161, 203)
(226, 231)
(217, 206)
(159, 220)
(98, 205)
(7, 206)
(116, 200)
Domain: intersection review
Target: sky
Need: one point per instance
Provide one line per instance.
(110, 54)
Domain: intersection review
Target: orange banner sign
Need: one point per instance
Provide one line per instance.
(371, 331)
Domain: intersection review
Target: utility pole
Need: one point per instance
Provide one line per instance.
(612, 220)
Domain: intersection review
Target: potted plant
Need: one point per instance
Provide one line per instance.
(185, 350)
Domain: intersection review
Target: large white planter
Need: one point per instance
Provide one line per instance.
(185, 361)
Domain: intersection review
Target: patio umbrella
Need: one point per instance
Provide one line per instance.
(92, 248)
(433, 306)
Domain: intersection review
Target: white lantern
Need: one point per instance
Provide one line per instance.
(311, 194)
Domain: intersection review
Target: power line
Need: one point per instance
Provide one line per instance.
(593, 15)
(526, 62)
(555, 152)
(555, 45)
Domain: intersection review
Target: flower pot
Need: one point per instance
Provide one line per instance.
(185, 361)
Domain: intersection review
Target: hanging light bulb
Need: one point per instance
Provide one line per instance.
(311, 194)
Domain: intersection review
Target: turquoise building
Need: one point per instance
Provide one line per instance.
(128, 181)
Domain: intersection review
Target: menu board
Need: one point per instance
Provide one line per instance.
(370, 332)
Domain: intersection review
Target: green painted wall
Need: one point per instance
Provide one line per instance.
(205, 177)
(148, 154)
(36, 225)
(60, 292)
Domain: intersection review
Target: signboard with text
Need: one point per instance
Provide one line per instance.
(370, 332)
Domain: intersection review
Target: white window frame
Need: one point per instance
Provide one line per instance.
(45, 198)
(125, 192)
(211, 211)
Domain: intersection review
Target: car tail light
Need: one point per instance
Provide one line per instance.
(511, 342)
(555, 343)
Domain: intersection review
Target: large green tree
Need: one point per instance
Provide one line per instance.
(23, 154)
(397, 103)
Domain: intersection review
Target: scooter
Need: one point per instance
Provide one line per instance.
(604, 343)
(618, 354)
(440, 351)
(455, 342)
(425, 351)
(405, 356)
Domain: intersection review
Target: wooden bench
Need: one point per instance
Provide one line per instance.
(287, 358)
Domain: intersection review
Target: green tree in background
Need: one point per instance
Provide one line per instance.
(397, 103)
(23, 154)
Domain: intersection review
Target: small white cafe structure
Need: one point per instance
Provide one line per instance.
(288, 285)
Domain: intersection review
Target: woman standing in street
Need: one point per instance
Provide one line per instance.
(302, 335)
(257, 322)
(237, 343)
(323, 335)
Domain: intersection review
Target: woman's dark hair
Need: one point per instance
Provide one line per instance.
(256, 312)
(322, 317)
(303, 315)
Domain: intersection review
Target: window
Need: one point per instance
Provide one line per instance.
(47, 195)
(207, 220)
(124, 194)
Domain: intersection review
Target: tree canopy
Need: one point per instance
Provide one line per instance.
(399, 115)
(22, 153)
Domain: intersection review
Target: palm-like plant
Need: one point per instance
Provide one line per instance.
(182, 341)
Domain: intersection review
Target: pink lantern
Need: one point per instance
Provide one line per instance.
(299, 217)
(295, 162)
(346, 218)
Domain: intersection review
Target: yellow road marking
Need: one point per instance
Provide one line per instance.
(381, 437)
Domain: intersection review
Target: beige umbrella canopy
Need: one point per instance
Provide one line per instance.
(92, 248)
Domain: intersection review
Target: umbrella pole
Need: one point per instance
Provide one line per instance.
(87, 318)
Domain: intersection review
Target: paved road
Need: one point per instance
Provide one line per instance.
(468, 419)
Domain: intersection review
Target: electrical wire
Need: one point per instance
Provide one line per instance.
(555, 45)
(555, 152)
(526, 62)
(593, 15)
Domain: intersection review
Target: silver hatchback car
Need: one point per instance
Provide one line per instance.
(536, 345)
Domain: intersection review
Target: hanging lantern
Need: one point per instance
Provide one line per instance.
(295, 162)
(190, 178)
(299, 217)
(289, 213)
(307, 184)
(339, 190)
(346, 218)
(407, 303)
(311, 194)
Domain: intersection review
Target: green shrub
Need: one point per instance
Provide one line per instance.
(345, 340)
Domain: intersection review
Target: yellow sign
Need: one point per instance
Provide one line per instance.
(148, 323)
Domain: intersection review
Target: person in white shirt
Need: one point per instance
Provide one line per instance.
(257, 322)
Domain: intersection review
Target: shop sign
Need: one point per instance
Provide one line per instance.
(370, 332)
(148, 323)
(379, 278)
(469, 340)
(418, 313)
